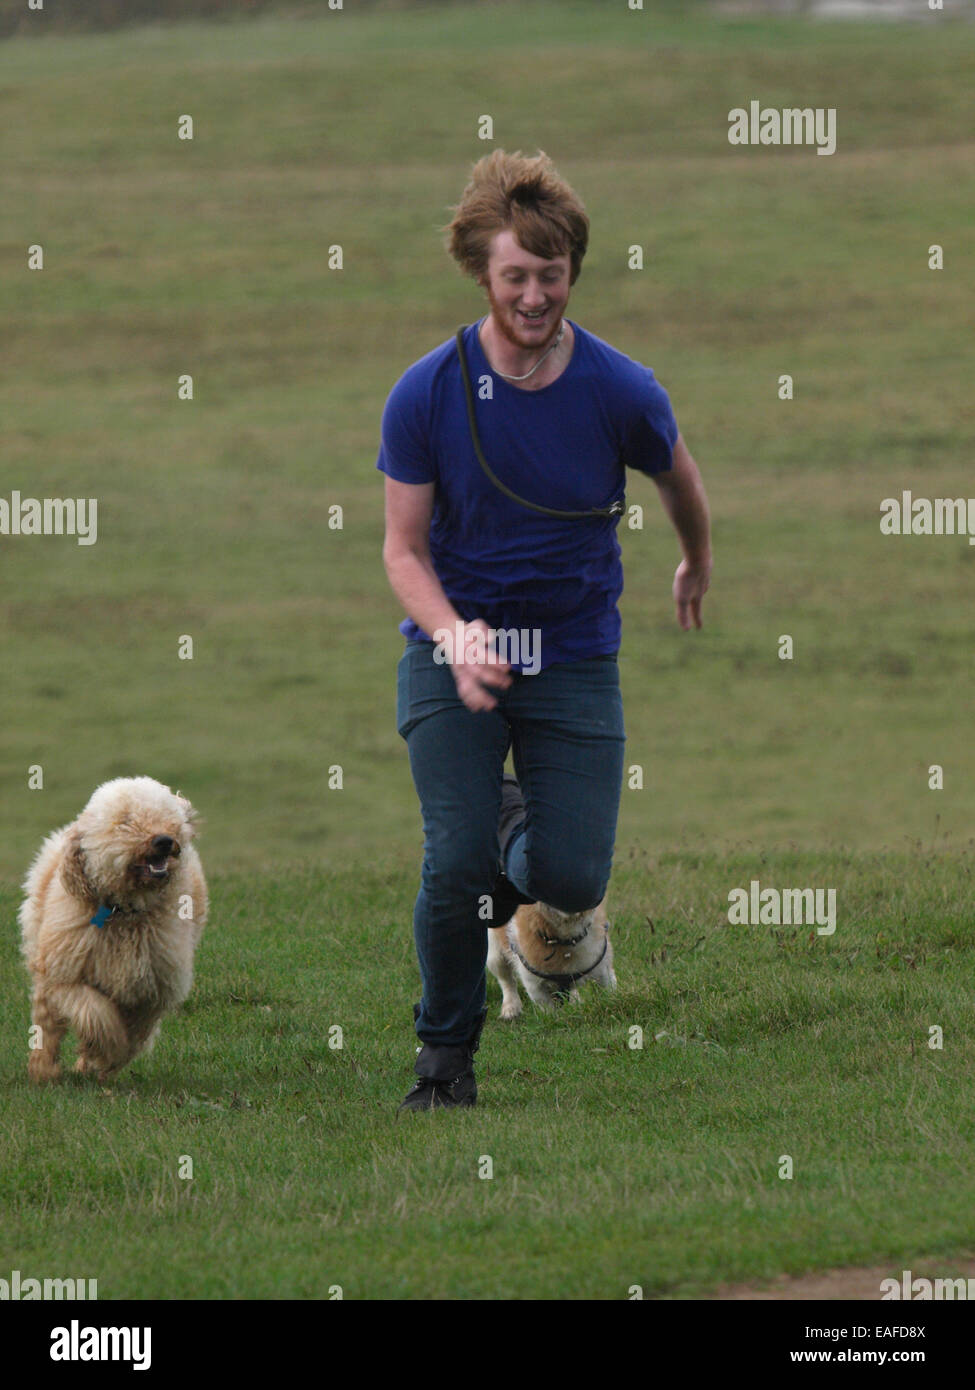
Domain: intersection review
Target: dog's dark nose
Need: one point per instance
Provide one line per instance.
(164, 844)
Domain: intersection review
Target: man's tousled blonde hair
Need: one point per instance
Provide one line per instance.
(526, 195)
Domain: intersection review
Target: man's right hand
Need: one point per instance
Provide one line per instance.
(472, 675)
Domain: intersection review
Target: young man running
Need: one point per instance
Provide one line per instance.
(520, 598)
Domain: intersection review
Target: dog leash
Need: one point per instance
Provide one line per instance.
(615, 509)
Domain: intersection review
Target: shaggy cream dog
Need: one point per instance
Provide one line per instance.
(550, 952)
(115, 905)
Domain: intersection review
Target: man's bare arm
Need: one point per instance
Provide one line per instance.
(406, 556)
(685, 502)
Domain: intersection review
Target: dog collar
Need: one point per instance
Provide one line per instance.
(555, 942)
(563, 981)
(103, 914)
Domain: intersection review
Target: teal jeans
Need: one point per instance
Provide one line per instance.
(564, 727)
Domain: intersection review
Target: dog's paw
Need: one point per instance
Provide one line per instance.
(511, 1011)
(100, 1068)
(41, 1069)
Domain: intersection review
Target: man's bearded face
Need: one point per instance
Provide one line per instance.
(527, 294)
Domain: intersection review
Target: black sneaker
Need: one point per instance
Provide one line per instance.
(446, 1074)
(428, 1094)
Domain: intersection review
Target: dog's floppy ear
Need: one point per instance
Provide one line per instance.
(190, 815)
(73, 874)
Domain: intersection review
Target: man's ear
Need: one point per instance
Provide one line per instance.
(73, 874)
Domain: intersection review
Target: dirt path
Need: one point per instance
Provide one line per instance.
(849, 1283)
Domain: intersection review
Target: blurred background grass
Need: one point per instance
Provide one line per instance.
(358, 127)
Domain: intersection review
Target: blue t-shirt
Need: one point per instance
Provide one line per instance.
(566, 446)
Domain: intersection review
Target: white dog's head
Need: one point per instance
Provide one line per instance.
(127, 841)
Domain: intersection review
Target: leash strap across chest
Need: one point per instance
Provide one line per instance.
(615, 509)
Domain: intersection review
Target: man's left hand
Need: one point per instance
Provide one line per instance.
(690, 585)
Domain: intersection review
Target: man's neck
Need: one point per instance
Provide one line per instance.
(510, 360)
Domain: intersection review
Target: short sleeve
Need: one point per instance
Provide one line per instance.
(649, 441)
(404, 453)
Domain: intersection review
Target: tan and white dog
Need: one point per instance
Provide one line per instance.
(550, 952)
(115, 905)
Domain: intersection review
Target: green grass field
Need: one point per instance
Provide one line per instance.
(612, 1166)
(209, 257)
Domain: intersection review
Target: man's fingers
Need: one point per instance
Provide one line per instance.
(476, 697)
(478, 700)
(493, 675)
(473, 682)
(689, 612)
